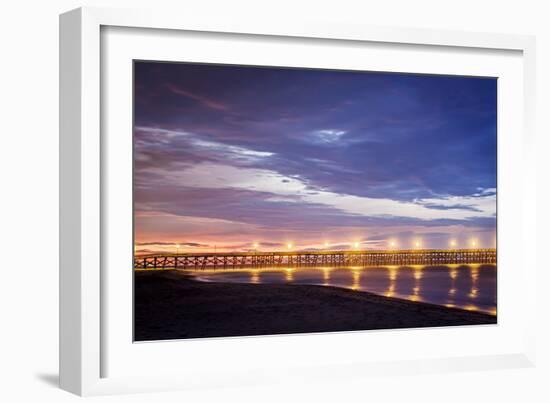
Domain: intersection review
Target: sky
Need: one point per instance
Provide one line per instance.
(241, 158)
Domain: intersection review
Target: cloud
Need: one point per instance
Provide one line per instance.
(230, 151)
(209, 103)
(450, 207)
(193, 244)
(164, 146)
(296, 189)
(327, 136)
(484, 204)
(485, 192)
(157, 133)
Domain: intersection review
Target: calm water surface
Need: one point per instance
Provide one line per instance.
(470, 287)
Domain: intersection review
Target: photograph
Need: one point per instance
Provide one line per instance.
(272, 200)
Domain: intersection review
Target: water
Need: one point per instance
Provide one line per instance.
(471, 287)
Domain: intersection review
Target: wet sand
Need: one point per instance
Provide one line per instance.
(170, 305)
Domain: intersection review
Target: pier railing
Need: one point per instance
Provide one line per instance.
(316, 258)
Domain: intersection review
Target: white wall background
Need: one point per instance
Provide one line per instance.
(29, 186)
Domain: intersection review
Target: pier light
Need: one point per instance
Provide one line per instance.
(177, 249)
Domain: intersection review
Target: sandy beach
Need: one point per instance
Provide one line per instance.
(171, 305)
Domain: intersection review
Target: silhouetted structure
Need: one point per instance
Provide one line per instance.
(317, 258)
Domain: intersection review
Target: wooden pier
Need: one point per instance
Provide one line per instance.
(316, 258)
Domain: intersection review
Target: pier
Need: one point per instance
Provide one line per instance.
(316, 258)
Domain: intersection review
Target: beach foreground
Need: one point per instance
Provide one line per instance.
(170, 305)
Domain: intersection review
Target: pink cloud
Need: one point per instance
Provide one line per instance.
(199, 98)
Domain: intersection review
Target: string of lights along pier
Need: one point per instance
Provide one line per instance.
(316, 258)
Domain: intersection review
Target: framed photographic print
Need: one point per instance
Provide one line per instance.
(233, 200)
(254, 187)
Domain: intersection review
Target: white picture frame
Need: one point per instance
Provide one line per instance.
(85, 346)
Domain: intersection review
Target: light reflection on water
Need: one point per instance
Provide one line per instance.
(471, 287)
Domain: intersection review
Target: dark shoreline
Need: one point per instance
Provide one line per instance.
(171, 305)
